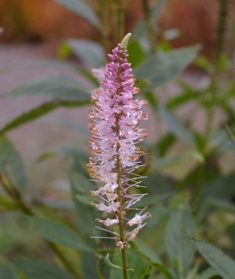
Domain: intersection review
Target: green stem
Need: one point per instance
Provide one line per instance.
(150, 29)
(14, 194)
(218, 50)
(221, 29)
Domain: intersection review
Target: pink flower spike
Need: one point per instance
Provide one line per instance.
(114, 125)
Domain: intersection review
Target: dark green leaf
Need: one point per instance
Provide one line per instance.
(38, 112)
(82, 10)
(222, 204)
(59, 233)
(41, 270)
(162, 67)
(7, 272)
(147, 251)
(8, 204)
(179, 247)
(223, 264)
(81, 187)
(90, 53)
(89, 263)
(208, 273)
(176, 127)
(58, 87)
(134, 261)
(11, 165)
(136, 54)
(222, 188)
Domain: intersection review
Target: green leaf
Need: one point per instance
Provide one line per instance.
(59, 233)
(11, 165)
(38, 112)
(89, 266)
(136, 54)
(58, 87)
(153, 199)
(147, 251)
(162, 67)
(222, 204)
(8, 203)
(176, 127)
(222, 188)
(82, 10)
(41, 270)
(179, 247)
(81, 187)
(208, 273)
(223, 264)
(134, 261)
(7, 272)
(90, 53)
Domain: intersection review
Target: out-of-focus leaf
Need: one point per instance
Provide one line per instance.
(79, 157)
(166, 162)
(90, 53)
(222, 204)
(7, 204)
(40, 111)
(81, 187)
(136, 54)
(189, 94)
(40, 270)
(179, 247)
(58, 87)
(140, 29)
(176, 127)
(11, 165)
(62, 205)
(158, 184)
(82, 10)
(162, 67)
(208, 273)
(88, 265)
(165, 143)
(153, 199)
(134, 261)
(222, 188)
(59, 233)
(193, 272)
(223, 264)
(147, 251)
(6, 272)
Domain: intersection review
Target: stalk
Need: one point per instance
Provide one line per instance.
(150, 29)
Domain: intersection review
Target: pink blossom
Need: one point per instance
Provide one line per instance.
(113, 123)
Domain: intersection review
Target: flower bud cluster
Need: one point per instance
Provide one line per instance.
(113, 123)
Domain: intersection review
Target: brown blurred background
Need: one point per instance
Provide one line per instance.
(46, 21)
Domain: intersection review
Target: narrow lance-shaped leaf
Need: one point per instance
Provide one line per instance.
(162, 67)
(176, 127)
(223, 264)
(59, 233)
(38, 112)
(40, 270)
(180, 249)
(90, 53)
(81, 9)
(7, 272)
(57, 87)
(11, 165)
